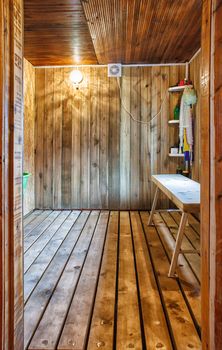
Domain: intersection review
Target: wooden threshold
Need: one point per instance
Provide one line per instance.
(98, 279)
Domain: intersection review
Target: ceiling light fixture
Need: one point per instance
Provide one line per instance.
(76, 77)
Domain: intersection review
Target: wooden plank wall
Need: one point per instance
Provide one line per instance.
(94, 156)
(11, 154)
(195, 77)
(215, 233)
(205, 129)
(29, 131)
(89, 153)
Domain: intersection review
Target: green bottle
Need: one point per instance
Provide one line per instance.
(176, 112)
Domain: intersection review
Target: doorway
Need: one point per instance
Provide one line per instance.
(11, 171)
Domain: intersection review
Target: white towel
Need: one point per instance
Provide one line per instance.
(185, 123)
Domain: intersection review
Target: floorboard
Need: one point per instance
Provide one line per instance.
(35, 249)
(128, 319)
(40, 297)
(101, 332)
(31, 216)
(98, 279)
(37, 269)
(39, 230)
(36, 220)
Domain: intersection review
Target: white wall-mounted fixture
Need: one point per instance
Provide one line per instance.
(114, 70)
(76, 77)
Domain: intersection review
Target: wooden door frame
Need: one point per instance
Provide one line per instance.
(205, 167)
(11, 151)
(211, 174)
(11, 269)
(216, 178)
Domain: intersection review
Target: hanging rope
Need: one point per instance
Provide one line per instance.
(131, 115)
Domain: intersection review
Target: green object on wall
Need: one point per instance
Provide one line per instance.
(25, 179)
(176, 112)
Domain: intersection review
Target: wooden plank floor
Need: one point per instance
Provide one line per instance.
(98, 279)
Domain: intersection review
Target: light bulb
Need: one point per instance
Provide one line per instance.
(76, 76)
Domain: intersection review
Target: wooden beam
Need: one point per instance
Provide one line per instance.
(205, 167)
(211, 150)
(215, 180)
(11, 124)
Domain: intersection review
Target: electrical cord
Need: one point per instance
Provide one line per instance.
(131, 115)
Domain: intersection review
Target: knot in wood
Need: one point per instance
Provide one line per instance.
(100, 344)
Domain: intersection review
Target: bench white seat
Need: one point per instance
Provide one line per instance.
(185, 194)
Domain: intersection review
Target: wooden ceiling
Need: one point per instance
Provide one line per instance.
(146, 31)
(105, 31)
(56, 33)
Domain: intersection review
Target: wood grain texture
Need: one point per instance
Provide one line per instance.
(103, 317)
(134, 31)
(75, 329)
(215, 173)
(186, 271)
(29, 137)
(184, 333)
(101, 282)
(205, 170)
(52, 25)
(195, 77)
(114, 31)
(128, 321)
(51, 323)
(11, 154)
(45, 257)
(89, 152)
(155, 329)
(40, 297)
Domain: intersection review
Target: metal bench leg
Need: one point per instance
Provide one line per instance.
(178, 245)
(153, 206)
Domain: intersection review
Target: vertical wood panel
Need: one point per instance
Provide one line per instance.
(57, 139)
(48, 140)
(215, 178)
(145, 145)
(165, 129)
(135, 137)
(11, 162)
(114, 145)
(85, 139)
(66, 142)
(29, 139)
(195, 77)
(94, 141)
(103, 137)
(125, 141)
(95, 155)
(39, 144)
(76, 106)
(205, 172)
(155, 124)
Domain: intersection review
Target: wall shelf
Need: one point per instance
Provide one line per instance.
(178, 88)
(176, 155)
(173, 122)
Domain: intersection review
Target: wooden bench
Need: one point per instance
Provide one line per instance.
(185, 194)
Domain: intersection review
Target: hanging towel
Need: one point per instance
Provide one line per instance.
(185, 121)
(188, 99)
(186, 146)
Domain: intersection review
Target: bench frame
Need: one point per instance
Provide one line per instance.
(177, 249)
